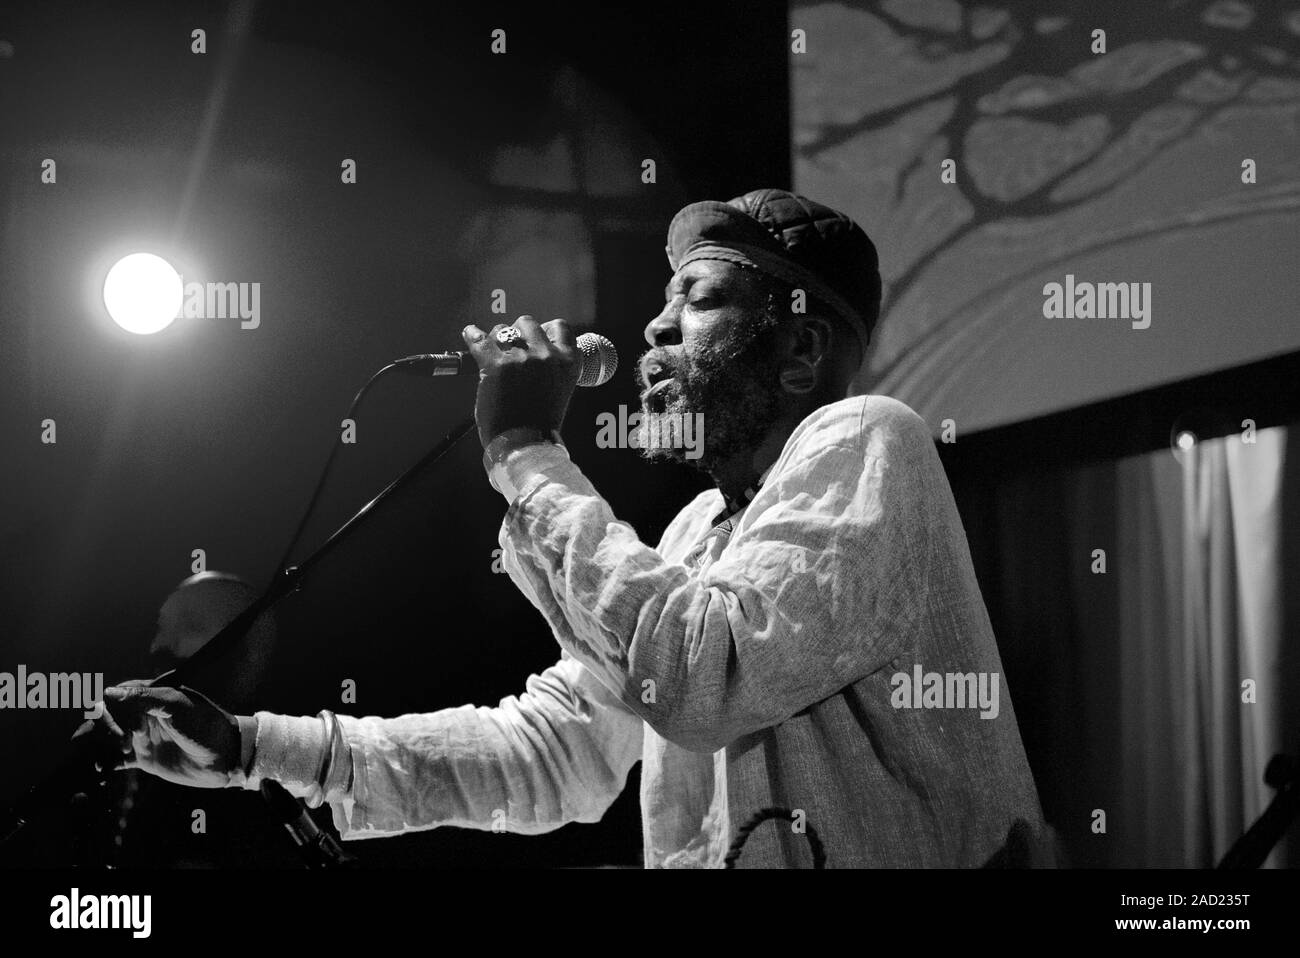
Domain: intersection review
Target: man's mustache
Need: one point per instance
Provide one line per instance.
(657, 364)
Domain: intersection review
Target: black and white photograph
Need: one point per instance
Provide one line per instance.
(512, 448)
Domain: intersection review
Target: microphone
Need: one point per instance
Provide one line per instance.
(599, 361)
(318, 848)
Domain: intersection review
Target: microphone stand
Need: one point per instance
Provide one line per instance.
(77, 769)
(290, 577)
(1252, 848)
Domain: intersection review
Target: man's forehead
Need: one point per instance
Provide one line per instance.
(704, 269)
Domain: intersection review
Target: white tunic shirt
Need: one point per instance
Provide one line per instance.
(753, 665)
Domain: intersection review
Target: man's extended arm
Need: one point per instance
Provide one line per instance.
(559, 753)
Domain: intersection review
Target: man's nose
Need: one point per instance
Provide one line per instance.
(664, 329)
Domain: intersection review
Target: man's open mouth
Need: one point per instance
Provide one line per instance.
(658, 387)
(656, 376)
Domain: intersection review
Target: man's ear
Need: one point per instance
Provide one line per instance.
(815, 339)
(806, 364)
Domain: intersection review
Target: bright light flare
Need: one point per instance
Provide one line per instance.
(142, 293)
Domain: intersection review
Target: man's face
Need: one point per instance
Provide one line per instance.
(715, 353)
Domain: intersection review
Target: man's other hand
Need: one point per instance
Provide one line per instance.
(177, 734)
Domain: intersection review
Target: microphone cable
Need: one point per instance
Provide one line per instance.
(324, 475)
(784, 814)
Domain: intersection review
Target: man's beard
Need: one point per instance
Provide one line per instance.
(733, 382)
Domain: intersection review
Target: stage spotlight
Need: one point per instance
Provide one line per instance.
(143, 293)
(1195, 426)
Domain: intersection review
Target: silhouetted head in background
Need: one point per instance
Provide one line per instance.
(195, 611)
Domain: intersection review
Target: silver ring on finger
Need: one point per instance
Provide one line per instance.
(508, 336)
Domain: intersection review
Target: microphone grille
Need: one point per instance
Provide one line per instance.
(599, 360)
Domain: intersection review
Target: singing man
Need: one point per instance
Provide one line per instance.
(749, 659)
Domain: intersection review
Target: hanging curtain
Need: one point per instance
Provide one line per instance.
(1202, 677)
(1129, 684)
(1231, 635)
